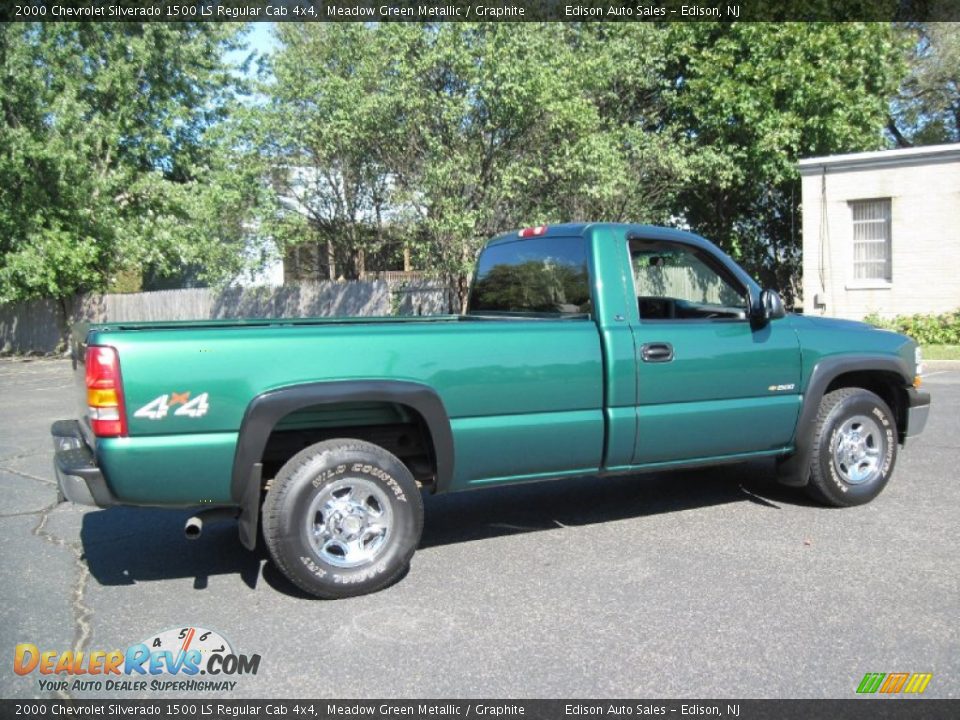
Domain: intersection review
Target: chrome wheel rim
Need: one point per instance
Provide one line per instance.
(349, 522)
(858, 450)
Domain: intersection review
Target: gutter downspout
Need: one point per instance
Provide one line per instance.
(823, 297)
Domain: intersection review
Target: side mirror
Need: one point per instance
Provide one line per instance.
(771, 306)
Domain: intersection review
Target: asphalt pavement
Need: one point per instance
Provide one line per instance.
(708, 583)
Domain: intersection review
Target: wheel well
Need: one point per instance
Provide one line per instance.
(397, 428)
(888, 385)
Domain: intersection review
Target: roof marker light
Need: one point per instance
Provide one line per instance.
(533, 231)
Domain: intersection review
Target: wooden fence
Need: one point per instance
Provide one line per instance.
(40, 326)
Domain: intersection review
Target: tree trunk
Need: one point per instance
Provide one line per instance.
(331, 262)
(897, 135)
(462, 290)
(359, 264)
(65, 322)
(463, 280)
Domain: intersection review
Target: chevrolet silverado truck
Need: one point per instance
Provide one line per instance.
(586, 349)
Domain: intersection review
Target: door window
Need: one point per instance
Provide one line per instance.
(680, 282)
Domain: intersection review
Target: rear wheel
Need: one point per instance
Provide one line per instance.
(342, 518)
(855, 448)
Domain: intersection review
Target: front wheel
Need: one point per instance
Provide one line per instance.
(342, 518)
(855, 448)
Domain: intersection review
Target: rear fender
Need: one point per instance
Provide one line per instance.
(266, 410)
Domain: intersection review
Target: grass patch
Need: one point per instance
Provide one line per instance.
(941, 352)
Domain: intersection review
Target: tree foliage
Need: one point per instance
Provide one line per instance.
(927, 108)
(755, 98)
(499, 131)
(123, 150)
(106, 159)
(458, 131)
(323, 136)
(455, 132)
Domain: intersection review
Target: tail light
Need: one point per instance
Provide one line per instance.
(108, 417)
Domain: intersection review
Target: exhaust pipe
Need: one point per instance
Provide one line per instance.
(193, 528)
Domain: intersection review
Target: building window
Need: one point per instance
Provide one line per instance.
(871, 240)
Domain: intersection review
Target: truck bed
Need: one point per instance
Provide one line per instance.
(524, 395)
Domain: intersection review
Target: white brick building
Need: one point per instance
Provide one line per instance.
(881, 232)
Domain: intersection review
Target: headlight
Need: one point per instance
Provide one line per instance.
(918, 359)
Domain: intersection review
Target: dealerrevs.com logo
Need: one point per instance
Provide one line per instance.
(168, 661)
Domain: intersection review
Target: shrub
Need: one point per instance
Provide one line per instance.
(925, 329)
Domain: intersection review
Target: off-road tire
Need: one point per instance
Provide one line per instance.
(313, 474)
(827, 483)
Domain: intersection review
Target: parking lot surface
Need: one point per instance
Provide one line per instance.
(708, 583)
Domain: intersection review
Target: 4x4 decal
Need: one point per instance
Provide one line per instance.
(158, 408)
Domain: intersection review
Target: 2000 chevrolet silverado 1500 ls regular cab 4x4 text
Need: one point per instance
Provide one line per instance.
(590, 349)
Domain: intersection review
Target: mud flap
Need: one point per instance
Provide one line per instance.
(250, 508)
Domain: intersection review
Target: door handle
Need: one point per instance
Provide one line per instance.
(656, 352)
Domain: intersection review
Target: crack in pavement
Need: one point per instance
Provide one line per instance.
(81, 612)
(21, 514)
(28, 476)
(19, 456)
(20, 473)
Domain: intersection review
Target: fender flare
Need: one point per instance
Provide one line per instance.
(266, 410)
(793, 469)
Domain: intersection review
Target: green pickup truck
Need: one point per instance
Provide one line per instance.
(586, 349)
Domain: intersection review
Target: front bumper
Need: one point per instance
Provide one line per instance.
(918, 410)
(75, 463)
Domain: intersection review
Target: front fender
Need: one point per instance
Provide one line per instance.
(794, 469)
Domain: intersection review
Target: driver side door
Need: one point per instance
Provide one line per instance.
(710, 383)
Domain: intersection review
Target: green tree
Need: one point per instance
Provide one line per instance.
(638, 160)
(107, 155)
(511, 124)
(447, 134)
(331, 112)
(495, 117)
(450, 133)
(755, 98)
(927, 108)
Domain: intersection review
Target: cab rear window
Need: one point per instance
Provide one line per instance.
(542, 275)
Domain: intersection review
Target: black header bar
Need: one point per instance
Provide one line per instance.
(482, 10)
